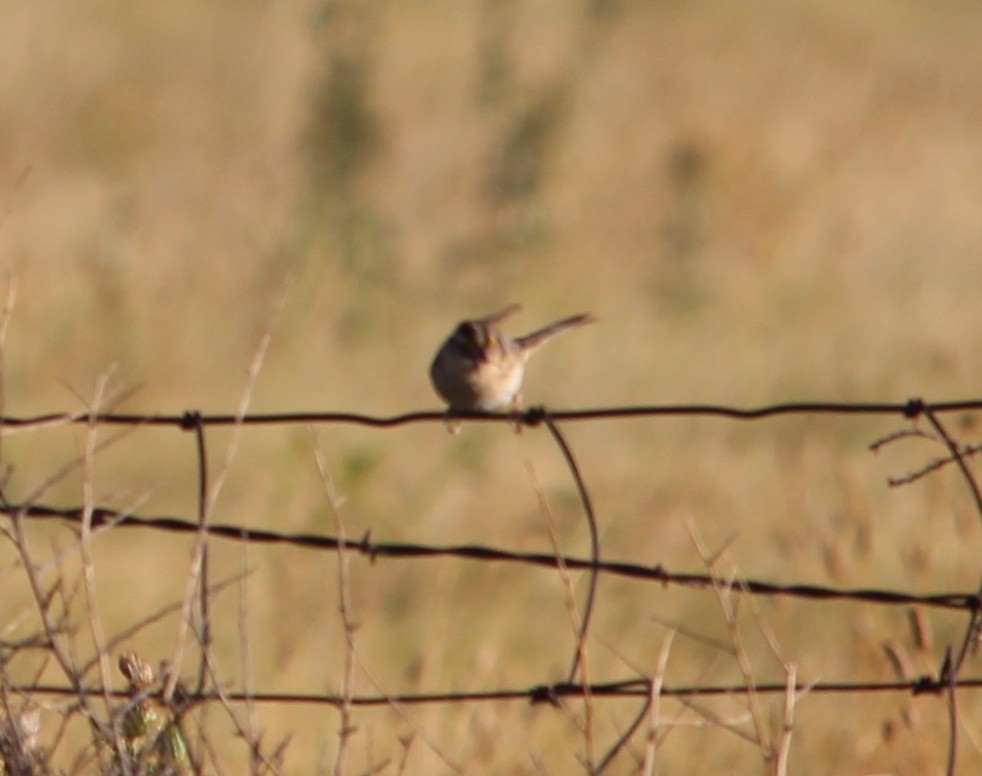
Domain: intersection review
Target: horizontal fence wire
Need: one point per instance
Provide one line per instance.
(911, 408)
(374, 550)
(551, 693)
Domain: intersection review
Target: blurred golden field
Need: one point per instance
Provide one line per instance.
(761, 202)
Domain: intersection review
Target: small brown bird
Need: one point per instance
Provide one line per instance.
(481, 369)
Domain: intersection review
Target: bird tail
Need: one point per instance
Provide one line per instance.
(533, 340)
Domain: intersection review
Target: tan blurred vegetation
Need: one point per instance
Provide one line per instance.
(761, 201)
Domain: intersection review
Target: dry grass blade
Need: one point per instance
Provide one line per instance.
(417, 731)
(654, 706)
(569, 598)
(85, 547)
(783, 749)
(57, 633)
(207, 503)
(346, 729)
(723, 596)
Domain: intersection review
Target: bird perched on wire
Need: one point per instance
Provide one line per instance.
(479, 368)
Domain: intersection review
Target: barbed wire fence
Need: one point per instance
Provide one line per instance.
(142, 728)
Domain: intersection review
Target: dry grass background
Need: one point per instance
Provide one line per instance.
(761, 201)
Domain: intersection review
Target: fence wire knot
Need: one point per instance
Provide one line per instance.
(546, 693)
(190, 420)
(534, 416)
(914, 408)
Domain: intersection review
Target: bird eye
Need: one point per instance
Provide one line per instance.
(470, 338)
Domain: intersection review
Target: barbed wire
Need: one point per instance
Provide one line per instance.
(549, 693)
(375, 550)
(190, 419)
